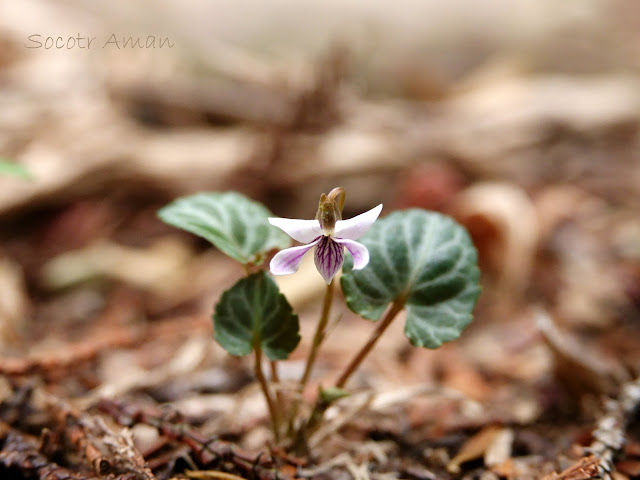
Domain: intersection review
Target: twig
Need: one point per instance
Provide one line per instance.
(107, 451)
(212, 475)
(210, 453)
(609, 435)
(609, 438)
(586, 468)
(20, 455)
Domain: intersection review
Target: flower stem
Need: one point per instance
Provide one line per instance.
(396, 307)
(321, 406)
(273, 411)
(319, 335)
(275, 378)
(313, 352)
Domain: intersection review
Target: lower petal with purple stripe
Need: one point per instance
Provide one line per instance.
(329, 258)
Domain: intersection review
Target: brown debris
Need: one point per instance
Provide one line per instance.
(21, 454)
(609, 436)
(587, 468)
(96, 449)
(493, 443)
(107, 451)
(209, 452)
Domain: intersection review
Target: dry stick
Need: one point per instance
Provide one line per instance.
(20, 454)
(107, 450)
(273, 411)
(609, 436)
(210, 452)
(318, 338)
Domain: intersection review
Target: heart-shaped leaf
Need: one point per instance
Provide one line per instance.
(235, 224)
(425, 261)
(254, 312)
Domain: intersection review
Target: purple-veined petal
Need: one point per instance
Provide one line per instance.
(358, 251)
(288, 260)
(357, 226)
(303, 231)
(329, 258)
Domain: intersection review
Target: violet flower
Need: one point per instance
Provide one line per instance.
(329, 234)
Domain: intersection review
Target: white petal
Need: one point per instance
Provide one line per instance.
(358, 251)
(288, 260)
(329, 257)
(303, 231)
(357, 226)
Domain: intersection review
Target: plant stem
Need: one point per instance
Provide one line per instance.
(273, 411)
(321, 405)
(319, 335)
(396, 307)
(275, 378)
(313, 352)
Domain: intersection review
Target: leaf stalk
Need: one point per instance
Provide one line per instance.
(396, 307)
(273, 410)
(318, 338)
(321, 406)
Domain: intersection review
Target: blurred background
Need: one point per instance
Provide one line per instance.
(519, 118)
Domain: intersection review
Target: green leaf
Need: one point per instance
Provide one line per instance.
(427, 262)
(235, 224)
(254, 312)
(13, 169)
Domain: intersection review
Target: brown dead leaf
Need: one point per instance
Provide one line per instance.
(503, 223)
(475, 447)
(155, 268)
(499, 450)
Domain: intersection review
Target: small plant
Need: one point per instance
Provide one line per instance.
(414, 260)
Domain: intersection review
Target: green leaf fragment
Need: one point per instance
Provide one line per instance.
(254, 312)
(13, 169)
(232, 222)
(424, 260)
(331, 394)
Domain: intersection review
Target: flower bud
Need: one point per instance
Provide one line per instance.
(330, 210)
